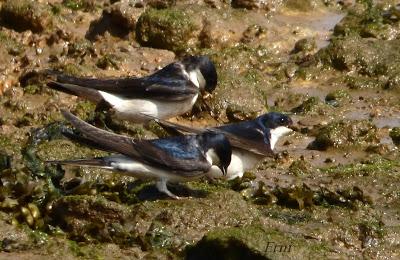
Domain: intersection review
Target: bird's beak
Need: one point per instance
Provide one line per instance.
(295, 127)
(223, 170)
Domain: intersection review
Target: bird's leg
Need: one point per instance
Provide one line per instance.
(162, 187)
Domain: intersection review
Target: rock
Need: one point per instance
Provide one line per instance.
(337, 97)
(170, 29)
(215, 35)
(305, 45)
(89, 217)
(85, 5)
(124, 14)
(373, 61)
(254, 33)
(269, 5)
(253, 242)
(370, 22)
(311, 105)
(26, 15)
(239, 78)
(301, 5)
(344, 133)
(395, 135)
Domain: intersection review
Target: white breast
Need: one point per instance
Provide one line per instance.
(136, 169)
(131, 109)
(278, 133)
(241, 161)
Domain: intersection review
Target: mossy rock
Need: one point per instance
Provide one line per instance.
(85, 5)
(93, 217)
(395, 135)
(312, 104)
(305, 45)
(170, 29)
(345, 133)
(242, 85)
(370, 21)
(372, 62)
(337, 97)
(254, 242)
(25, 15)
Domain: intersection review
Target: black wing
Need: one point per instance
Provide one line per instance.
(155, 152)
(245, 135)
(249, 136)
(169, 83)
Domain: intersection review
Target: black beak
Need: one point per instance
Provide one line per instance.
(223, 170)
(294, 127)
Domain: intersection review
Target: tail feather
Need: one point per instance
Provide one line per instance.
(95, 162)
(88, 93)
(174, 128)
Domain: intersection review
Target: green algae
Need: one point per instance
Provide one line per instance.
(395, 135)
(369, 21)
(254, 242)
(26, 15)
(374, 167)
(371, 61)
(86, 5)
(345, 133)
(170, 29)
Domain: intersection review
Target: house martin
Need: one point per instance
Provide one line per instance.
(168, 92)
(251, 140)
(173, 159)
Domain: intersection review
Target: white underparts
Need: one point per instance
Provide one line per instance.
(241, 161)
(132, 108)
(212, 157)
(197, 78)
(277, 133)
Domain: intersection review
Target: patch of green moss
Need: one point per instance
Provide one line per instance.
(302, 5)
(337, 97)
(251, 242)
(170, 29)
(395, 135)
(371, 61)
(289, 216)
(369, 21)
(85, 110)
(86, 5)
(345, 133)
(108, 61)
(374, 166)
(80, 48)
(310, 105)
(12, 46)
(25, 15)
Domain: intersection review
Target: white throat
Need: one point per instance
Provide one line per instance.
(197, 78)
(278, 133)
(212, 157)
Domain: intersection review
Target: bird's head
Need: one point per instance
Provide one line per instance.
(274, 120)
(277, 125)
(202, 70)
(217, 149)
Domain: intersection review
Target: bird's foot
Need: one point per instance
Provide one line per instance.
(162, 187)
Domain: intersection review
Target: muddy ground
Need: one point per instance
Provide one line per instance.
(332, 190)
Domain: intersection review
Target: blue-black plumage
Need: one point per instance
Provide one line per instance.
(172, 159)
(168, 92)
(251, 140)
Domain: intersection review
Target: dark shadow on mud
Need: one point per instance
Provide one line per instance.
(151, 193)
(106, 23)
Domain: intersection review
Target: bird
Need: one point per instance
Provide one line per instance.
(169, 92)
(167, 160)
(251, 140)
